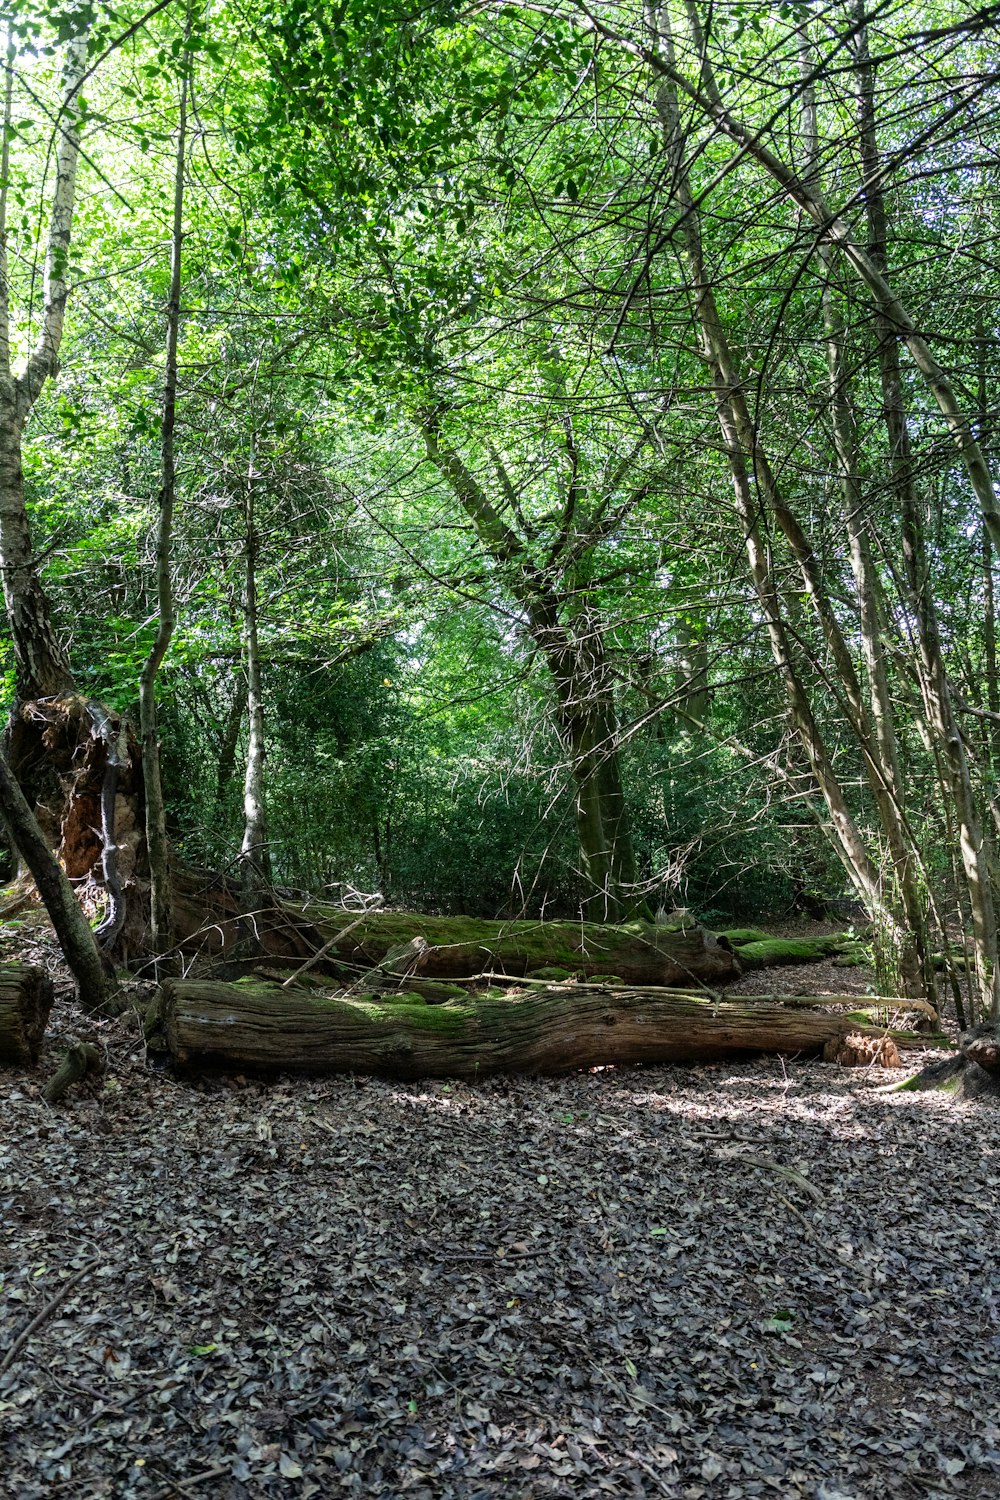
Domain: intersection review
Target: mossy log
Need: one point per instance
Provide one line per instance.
(25, 1002)
(772, 952)
(639, 953)
(266, 1028)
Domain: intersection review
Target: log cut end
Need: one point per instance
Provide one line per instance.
(25, 1001)
(858, 1051)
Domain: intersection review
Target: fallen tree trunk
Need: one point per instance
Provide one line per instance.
(25, 1002)
(265, 1028)
(760, 952)
(639, 953)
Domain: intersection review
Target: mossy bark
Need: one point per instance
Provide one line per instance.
(25, 1002)
(973, 1074)
(264, 1028)
(767, 953)
(638, 952)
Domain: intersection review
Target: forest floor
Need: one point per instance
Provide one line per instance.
(757, 1278)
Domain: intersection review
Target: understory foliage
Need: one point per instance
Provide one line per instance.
(594, 405)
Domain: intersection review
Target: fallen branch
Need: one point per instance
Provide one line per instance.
(774, 1166)
(46, 1313)
(329, 946)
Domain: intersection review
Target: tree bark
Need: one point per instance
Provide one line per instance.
(638, 952)
(25, 1001)
(76, 940)
(160, 899)
(41, 664)
(269, 1029)
(254, 850)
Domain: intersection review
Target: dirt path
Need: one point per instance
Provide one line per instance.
(590, 1286)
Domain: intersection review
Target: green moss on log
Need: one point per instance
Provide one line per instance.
(740, 936)
(460, 947)
(771, 952)
(539, 1030)
(403, 1010)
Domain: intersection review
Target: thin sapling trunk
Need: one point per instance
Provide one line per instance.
(161, 918)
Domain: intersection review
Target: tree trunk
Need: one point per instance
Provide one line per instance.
(903, 951)
(42, 667)
(575, 653)
(270, 1029)
(638, 952)
(81, 776)
(973, 1074)
(157, 848)
(75, 937)
(25, 1001)
(934, 682)
(254, 850)
(63, 749)
(747, 462)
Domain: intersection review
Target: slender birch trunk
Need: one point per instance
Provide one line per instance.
(161, 903)
(913, 960)
(41, 664)
(831, 228)
(254, 851)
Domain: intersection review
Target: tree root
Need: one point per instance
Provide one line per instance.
(80, 1060)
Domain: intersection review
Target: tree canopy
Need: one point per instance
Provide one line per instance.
(543, 454)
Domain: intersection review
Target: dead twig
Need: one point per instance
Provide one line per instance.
(774, 1166)
(46, 1312)
(337, 937)
(180, 1486)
